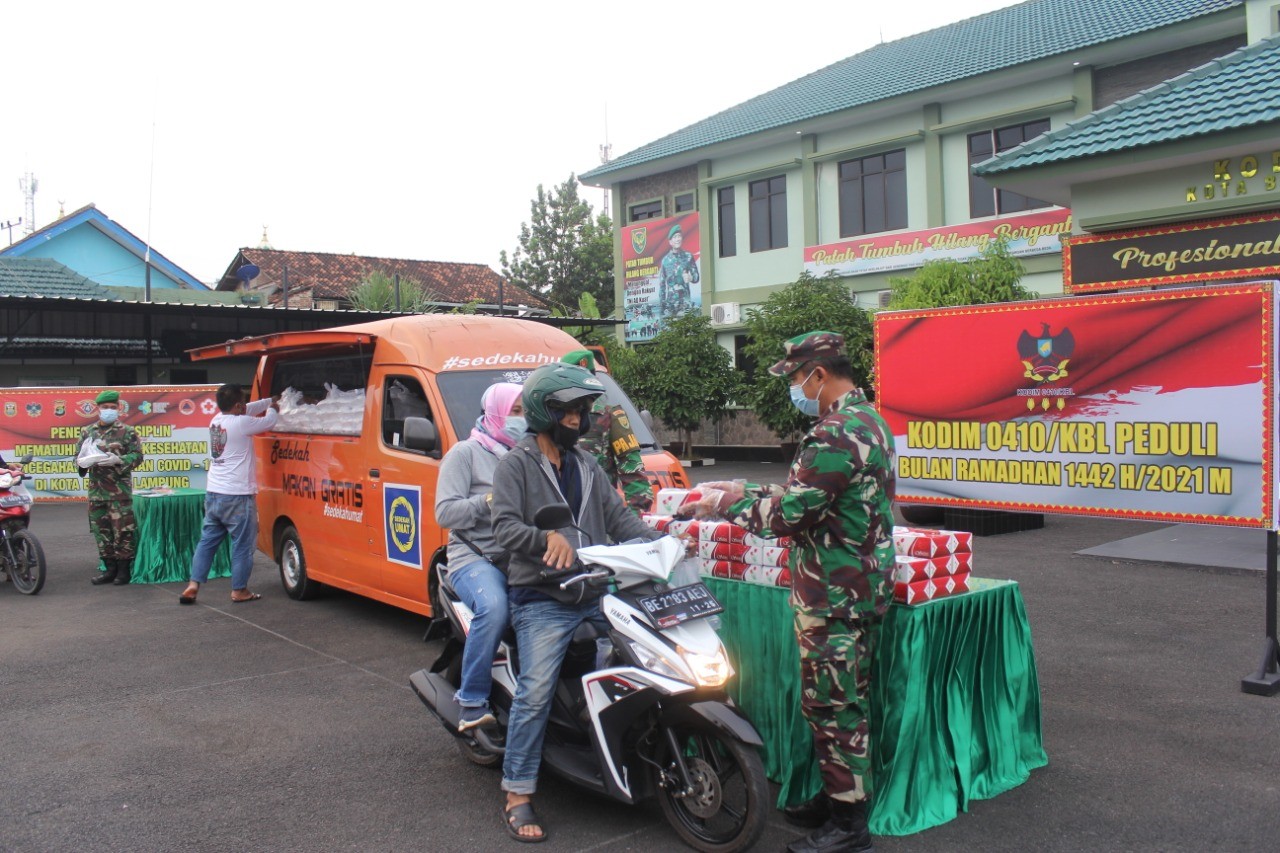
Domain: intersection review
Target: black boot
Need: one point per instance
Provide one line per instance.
(124, 571)
(810, 814)
(845, 832)
(108, 576)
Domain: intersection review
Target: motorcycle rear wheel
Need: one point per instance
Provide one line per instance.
(727, 810)
(26, 562)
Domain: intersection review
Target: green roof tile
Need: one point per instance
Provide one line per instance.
(46, 277)
(1001, 39)
(1230, 93)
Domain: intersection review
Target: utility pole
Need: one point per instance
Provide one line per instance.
(9, 225)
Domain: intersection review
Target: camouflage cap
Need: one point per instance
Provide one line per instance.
(107, 396)
(803, 349)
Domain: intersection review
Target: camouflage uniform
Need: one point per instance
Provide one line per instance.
(674, 290)
(110, 490)
(613, 444)
(836, 505)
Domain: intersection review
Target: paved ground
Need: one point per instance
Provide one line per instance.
(133, 724)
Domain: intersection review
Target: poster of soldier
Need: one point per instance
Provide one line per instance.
(660, 273)
(1155, 405)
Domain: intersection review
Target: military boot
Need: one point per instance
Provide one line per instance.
(124, 571)
(845, 832)
(108, 576)
(810, 814)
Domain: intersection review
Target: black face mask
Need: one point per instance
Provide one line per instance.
(564, 437)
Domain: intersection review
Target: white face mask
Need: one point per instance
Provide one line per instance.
(108, 416)
(803, 403)
(515, 427)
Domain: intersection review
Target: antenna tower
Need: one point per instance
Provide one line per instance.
(606, 151)
(29, 185)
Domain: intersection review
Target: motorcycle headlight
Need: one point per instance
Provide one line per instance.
(685, 665)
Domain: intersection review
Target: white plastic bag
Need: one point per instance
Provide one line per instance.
(90, 454)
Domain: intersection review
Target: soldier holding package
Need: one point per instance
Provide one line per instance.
(613, 444)
(108, 452)
(836, 505)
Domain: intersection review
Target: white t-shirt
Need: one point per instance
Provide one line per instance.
(233, 468)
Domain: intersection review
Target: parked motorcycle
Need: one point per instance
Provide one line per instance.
(21, 556)
(638, 713)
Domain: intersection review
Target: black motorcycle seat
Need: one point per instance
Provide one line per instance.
(587, 632)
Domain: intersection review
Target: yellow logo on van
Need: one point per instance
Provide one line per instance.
(402, 526)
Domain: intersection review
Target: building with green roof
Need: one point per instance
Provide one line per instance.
(864, 169)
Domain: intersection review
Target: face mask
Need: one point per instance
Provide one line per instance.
(108, 416)
(515, 428)
(800, 401)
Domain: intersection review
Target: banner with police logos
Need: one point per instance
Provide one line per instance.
(172, 422)
(1158, 406)
(660, 273)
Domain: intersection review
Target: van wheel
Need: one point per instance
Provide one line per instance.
(293, 567)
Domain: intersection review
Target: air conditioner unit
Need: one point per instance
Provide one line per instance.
(725, 313)
(883, 297)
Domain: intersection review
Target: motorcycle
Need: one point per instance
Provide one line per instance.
(639, 712)
(21, 556)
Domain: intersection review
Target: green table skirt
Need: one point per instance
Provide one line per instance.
(955, 705)
(168, 531)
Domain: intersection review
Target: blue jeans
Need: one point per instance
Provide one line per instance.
(223, 514)
(543, 631)
(483, 588)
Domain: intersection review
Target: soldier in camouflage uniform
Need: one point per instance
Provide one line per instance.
(613, 444)
(110, 488)
(676, 275)
(836, 505)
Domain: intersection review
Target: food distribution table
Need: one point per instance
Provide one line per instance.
(955, 705)
(168, 530)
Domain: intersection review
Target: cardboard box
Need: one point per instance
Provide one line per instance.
(709, 550)
(767, 575)
(658, 522)
(669, 501)
(917, 542)
(722, 531)
(931, 588)
(911, 569)
(731, 569)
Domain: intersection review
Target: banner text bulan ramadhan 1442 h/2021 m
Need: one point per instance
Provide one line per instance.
(1157, 405)
(171, 421)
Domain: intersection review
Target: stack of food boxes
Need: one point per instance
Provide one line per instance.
(930, 563)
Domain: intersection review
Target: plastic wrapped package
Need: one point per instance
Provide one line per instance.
(339, 413)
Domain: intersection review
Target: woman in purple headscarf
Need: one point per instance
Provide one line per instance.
(464, 493)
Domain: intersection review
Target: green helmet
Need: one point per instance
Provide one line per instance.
(557, 386)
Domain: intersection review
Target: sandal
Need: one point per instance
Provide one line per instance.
(188, 596)
(252, 596)
(521, 816)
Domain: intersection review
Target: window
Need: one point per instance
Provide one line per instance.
(745, 364)
(768, 213)
(646, 210)
(404, 398)
(728, 222)
(984, 199)
(873, 194)
(684, 203)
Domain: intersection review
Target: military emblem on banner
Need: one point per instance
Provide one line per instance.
(59, 408)
(1046, 356)
(86, 409)
(639, 239)
(34, 409)
(10, 409)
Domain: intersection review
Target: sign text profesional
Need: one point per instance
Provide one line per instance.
(1155, 406)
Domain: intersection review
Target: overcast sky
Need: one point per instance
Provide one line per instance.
(395, 129)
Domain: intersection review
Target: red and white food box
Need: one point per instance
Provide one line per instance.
(684, 528)
(722, 531)
(765, 555)
(918, 542)
(928, 589)
(660, 523)
(709, 550)
(767, 575)
(911, 569)
(669, 501)
(731, 569)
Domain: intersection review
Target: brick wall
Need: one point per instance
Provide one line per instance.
(1120, 81)
(664, 186)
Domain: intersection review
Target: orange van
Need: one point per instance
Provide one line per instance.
(347, 484)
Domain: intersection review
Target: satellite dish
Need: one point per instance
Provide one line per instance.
(247, 273)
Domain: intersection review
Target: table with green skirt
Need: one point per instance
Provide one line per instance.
(955, 704)
(168, 531)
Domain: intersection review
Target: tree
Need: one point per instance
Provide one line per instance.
(993, 276)
(378, 293)
(683, 376)
(563, 251)
(809, 304)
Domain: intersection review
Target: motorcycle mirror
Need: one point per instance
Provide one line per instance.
(553, 517)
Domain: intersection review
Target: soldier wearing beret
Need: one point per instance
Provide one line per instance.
(613, 443)
(676, 275)
(836, 504)
(110, 489)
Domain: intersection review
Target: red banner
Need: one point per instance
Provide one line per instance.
(172, 421)
(661, 273)
(1156, 406)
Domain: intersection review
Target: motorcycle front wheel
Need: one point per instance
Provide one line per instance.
(26, 562)
(725, 811)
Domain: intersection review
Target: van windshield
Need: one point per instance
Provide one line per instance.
(462, 391)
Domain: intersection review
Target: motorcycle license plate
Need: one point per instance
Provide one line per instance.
(680, 605)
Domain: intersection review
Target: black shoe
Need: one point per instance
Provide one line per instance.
(108, 576)
(845, 832)
(124, 571)
(810, 814)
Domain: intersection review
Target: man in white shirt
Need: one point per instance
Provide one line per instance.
(229, 500)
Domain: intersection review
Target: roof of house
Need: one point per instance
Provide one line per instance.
(46, 277)
(114, 231)
(997, 40)
(1232, 92)
(332, 276)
